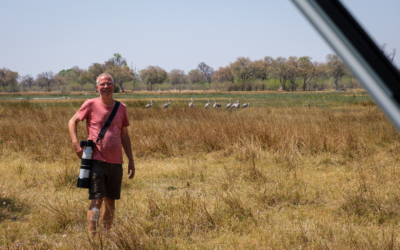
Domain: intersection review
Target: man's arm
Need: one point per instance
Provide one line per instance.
(72, 126)
(126, 144)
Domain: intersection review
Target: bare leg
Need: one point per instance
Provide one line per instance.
(92, 218)
(108, 213)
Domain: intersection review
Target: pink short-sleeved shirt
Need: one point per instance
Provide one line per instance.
(108, 149)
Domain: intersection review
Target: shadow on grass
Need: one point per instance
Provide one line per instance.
(11, 209)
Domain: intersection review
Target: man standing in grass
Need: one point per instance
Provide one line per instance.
(106, 173)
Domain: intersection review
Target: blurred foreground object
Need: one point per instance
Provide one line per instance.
(361, 55)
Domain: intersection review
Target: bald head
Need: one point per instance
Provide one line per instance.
(104, 75)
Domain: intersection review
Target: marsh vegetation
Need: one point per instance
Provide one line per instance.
(292, 171)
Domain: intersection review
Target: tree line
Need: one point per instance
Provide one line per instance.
(281, 73)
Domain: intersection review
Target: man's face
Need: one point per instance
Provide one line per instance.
(105, 85)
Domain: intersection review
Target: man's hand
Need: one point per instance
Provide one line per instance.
(126, 143)
(131, 170)
(78, 150)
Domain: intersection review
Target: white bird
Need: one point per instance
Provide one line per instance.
(215, 105)
(207, 104)
(167, 104)
(191, 104)
(229, 104)
(236, 105)
(245, 105)
(149, 105)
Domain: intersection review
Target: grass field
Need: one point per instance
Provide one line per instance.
(293, 171)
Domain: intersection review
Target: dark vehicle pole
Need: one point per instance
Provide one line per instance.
(358, 51)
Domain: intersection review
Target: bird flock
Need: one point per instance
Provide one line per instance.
(207, 105)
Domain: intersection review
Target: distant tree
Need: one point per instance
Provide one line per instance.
(64, 72)
(292, 72)
(45, 80)
(196, 76)
(9, 80)
(279, 69)
(27, 81)
(120, 74)
(206, 70)
(335, 68)
(320, 72)
(306, 70)
(260, 69)
(135, 77)
(61, 82)
(153, 75)
(82, 79)
(73, 75)
(242, 68)
(177, 76)
(116, 60)
(93, 72)
(118, 68)
(223, 75)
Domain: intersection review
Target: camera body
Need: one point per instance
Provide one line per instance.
(86, 164)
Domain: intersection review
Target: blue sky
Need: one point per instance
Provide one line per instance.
(44, 35)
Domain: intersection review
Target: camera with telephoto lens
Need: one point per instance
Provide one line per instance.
(86, 164)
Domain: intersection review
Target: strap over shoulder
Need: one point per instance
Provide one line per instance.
(108, 122)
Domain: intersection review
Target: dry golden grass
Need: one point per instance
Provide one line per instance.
(257, 178)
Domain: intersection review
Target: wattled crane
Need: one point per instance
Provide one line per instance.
(149, 105)
(216, 105)
(229, 104)
(167, 104)
(207, 104)
(191, 104)
(236, 104)
(245, 105)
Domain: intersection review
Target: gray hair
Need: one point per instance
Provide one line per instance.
(104, 74)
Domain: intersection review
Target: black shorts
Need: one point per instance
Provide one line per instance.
(105, 180)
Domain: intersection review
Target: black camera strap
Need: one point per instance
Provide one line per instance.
(108, 122)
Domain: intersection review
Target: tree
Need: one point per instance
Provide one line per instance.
(260, 69)
(306, 70)
(223, 75)
(153, 75)
(60, 81)
(206, 70)
(116, 60)
(177, 76)
(72, 75)
(279, 69)
(195, 76)
(320, 71)
(135, 76)
(63, 72)
(242, 68)
(292, 72)
(27, 81)
(120, 74)
(9, 80)
(45, 79)
(93, 72)
(118, 68)
(335, 68)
